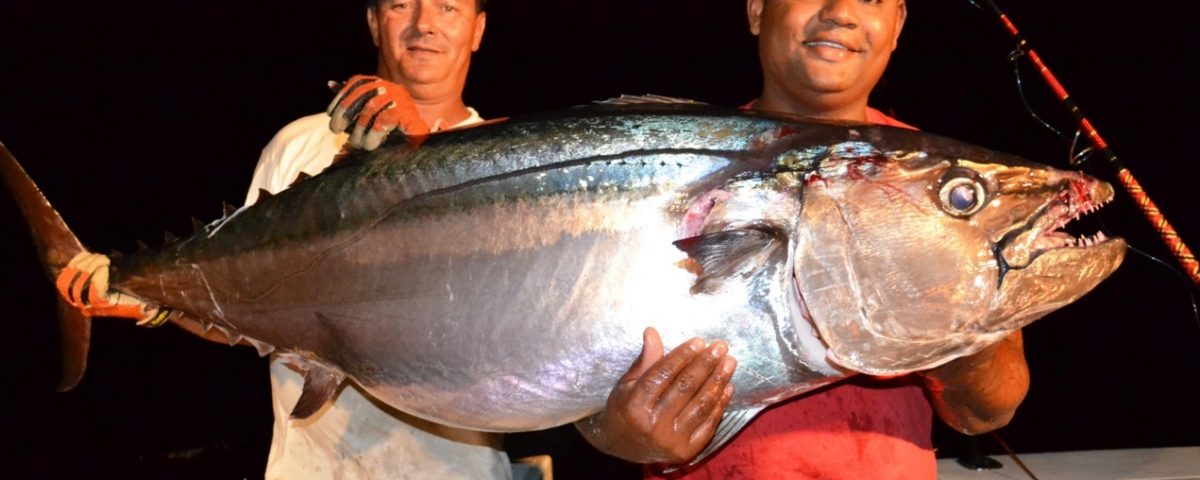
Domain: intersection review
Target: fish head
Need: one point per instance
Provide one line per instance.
(906, 258)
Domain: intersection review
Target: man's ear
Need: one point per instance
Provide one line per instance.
(901, 16)
(373, 25)
(754, 10)
(480, 25)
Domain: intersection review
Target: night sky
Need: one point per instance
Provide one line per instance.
(134, 116)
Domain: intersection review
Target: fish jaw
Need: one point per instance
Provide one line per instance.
(1040, 268)
(1077, 195)
(895, 282)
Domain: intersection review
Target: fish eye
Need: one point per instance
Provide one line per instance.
(962, 193)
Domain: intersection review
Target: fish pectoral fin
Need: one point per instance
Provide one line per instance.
(732, 423)
(320, 385)
(729, 253)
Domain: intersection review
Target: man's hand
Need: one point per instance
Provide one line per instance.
(84, 285)
(665, 409)
(375, 107)
(981, 392)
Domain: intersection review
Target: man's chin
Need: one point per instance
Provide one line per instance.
(412, 73)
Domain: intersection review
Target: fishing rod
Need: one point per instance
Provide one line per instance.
(1132, 186)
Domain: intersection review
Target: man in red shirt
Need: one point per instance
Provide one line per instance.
(820, 58)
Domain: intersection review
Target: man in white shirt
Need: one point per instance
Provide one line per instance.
(424, 52)
(425, 46)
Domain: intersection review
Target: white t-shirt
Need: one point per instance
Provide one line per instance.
(353, 437)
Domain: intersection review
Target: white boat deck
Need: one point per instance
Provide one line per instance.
(1173, 463)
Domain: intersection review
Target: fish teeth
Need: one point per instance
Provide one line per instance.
(1090, 240)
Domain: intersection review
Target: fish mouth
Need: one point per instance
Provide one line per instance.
(1044, 232)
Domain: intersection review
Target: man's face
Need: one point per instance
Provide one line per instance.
(426, 42)
(825, 52)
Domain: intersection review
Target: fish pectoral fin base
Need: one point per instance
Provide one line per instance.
(727, 254)
(320, 385)
(732, 423)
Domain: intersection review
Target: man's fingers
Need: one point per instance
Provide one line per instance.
(708, 428)
(651, 385)
(99, 282)
(652, 351)
(66, 281)
(84, 281)
(346, 88)
(350, 102)
(84, 267)
(373, 108)
(369, 108)
(351, 108)
(374, 138)
(708, 398)
(374, 123)
(696, 374)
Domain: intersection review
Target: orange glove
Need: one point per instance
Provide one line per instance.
(376, 107)
(84, 284)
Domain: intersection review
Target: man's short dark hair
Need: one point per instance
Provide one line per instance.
(480, 5)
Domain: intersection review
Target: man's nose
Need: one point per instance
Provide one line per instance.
(423, 18)
(843, 13)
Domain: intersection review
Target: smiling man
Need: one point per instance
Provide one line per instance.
(820, 58)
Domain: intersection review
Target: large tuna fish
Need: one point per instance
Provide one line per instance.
(499, 278)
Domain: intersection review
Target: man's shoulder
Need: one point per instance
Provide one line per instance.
(307, 140)
(879, 118)
(306, 127)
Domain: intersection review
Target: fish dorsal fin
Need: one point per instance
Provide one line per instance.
(114, 253)
(646, 99)
(227, 209)
(320, 385)
(730, 253)
(169, 238)
(197, 225)
(142, 246)
(263, 194)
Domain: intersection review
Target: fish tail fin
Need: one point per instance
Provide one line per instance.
(76, 331)
(56, 245)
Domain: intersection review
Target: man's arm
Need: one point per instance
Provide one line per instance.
(83, 283)
(981, 392)
(656, 414)
(665, 409)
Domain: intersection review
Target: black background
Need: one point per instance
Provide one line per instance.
(135, 115)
